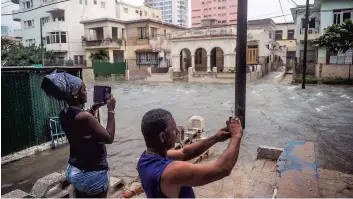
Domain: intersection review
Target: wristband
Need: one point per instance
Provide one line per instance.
(111, 111)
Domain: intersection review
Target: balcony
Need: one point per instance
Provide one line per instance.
(313, 33)
(15, 1)
(55, 26)
(104, 43)
(16, 15)
(58, 47)
(225, 31)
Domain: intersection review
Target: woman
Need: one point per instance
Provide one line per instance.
(87, 170)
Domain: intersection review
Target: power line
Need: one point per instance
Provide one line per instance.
(7, 6)
(283, 13)
(36, 7)
(5, 2)
(294, 2)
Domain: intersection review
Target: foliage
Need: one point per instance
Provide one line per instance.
(18, 55)
(231, 70)
(337, 38)
(101, 55)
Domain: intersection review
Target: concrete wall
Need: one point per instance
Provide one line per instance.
(334, 70)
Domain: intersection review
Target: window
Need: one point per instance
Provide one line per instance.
(142, 33)
(340, 15)
(95, 2)
(126, 10)
(312, 22)
(86, 2)
(45, 20)
(29, 23)
(122, 33)
(56, 37)
(78, 60)
(290, 34)
(136, 11)
(147, 58)
(102, 4)
(165, 32)
(80, 1)
(153, 32)
(224, 21)
(145, 13)
(28, 4)
(342, 58)
(278, 35)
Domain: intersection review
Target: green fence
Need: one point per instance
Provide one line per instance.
(26, 109)
(106, 68)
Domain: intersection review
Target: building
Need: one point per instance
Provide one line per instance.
(141, 43)
(207, 47)
(223, 11)
(4, 31)
(61, 28)
(174, 12)
(286, 37)
(324, 13)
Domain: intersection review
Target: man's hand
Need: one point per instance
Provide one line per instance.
(223, 135)
(235, 128)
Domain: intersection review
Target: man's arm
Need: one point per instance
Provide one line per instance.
(178, 174)
(193, 150)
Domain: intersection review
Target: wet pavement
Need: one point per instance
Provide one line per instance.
(276, 113)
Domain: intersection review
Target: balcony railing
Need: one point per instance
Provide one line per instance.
(310, 31)
(221, 31)
(103, 42)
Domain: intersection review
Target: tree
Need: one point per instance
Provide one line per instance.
(16, 54)
(101, 55)
(337, 38)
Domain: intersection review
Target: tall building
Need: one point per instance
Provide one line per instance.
(62, 31)
(223, 11)
(4, 31)
(173, 11)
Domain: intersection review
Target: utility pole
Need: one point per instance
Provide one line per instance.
(41, 41)
(240, 76)
(305, 43)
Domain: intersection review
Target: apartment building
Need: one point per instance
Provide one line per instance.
(324, 13)
(285, 36)
(223, 11)
(173, 11)
(141, 43)
(61, 28)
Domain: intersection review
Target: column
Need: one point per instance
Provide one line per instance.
(176, 63)
(193, 61)
(226, 62)
(208, 62)
(111, 56)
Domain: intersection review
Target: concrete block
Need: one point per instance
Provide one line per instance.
(43, 185)
(267, 152)
(115, 182)
(297, 171)
(328, 174)
(333, 185)
(16, 194)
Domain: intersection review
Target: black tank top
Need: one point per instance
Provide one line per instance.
(86, 153)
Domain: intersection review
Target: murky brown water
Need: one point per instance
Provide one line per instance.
(275, 114)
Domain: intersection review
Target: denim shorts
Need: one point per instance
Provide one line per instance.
(88, 182)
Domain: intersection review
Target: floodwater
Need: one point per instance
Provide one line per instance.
(275, 114)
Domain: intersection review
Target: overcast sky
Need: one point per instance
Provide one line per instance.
(257, 9)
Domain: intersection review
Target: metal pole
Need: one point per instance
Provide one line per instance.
(41, 41)
(240, 77)
(305, 42)
(349, 75)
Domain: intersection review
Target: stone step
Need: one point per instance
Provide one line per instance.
(17, 194)
(297, 171)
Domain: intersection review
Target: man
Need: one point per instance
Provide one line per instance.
(165, 173)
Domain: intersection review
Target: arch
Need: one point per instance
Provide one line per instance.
(217, 59)
(185, 59)
(200, 59)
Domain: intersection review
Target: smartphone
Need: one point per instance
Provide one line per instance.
(101, 94)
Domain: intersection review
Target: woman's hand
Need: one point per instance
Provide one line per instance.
(111, 103)
(95, 107)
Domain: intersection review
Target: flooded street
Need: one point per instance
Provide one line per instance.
(275, 114)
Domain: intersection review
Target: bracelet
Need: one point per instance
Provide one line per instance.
(111, 111)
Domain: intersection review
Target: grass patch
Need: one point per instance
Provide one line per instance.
(310, 79)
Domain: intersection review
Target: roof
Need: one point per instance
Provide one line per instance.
(131, 21)
(260, 22)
